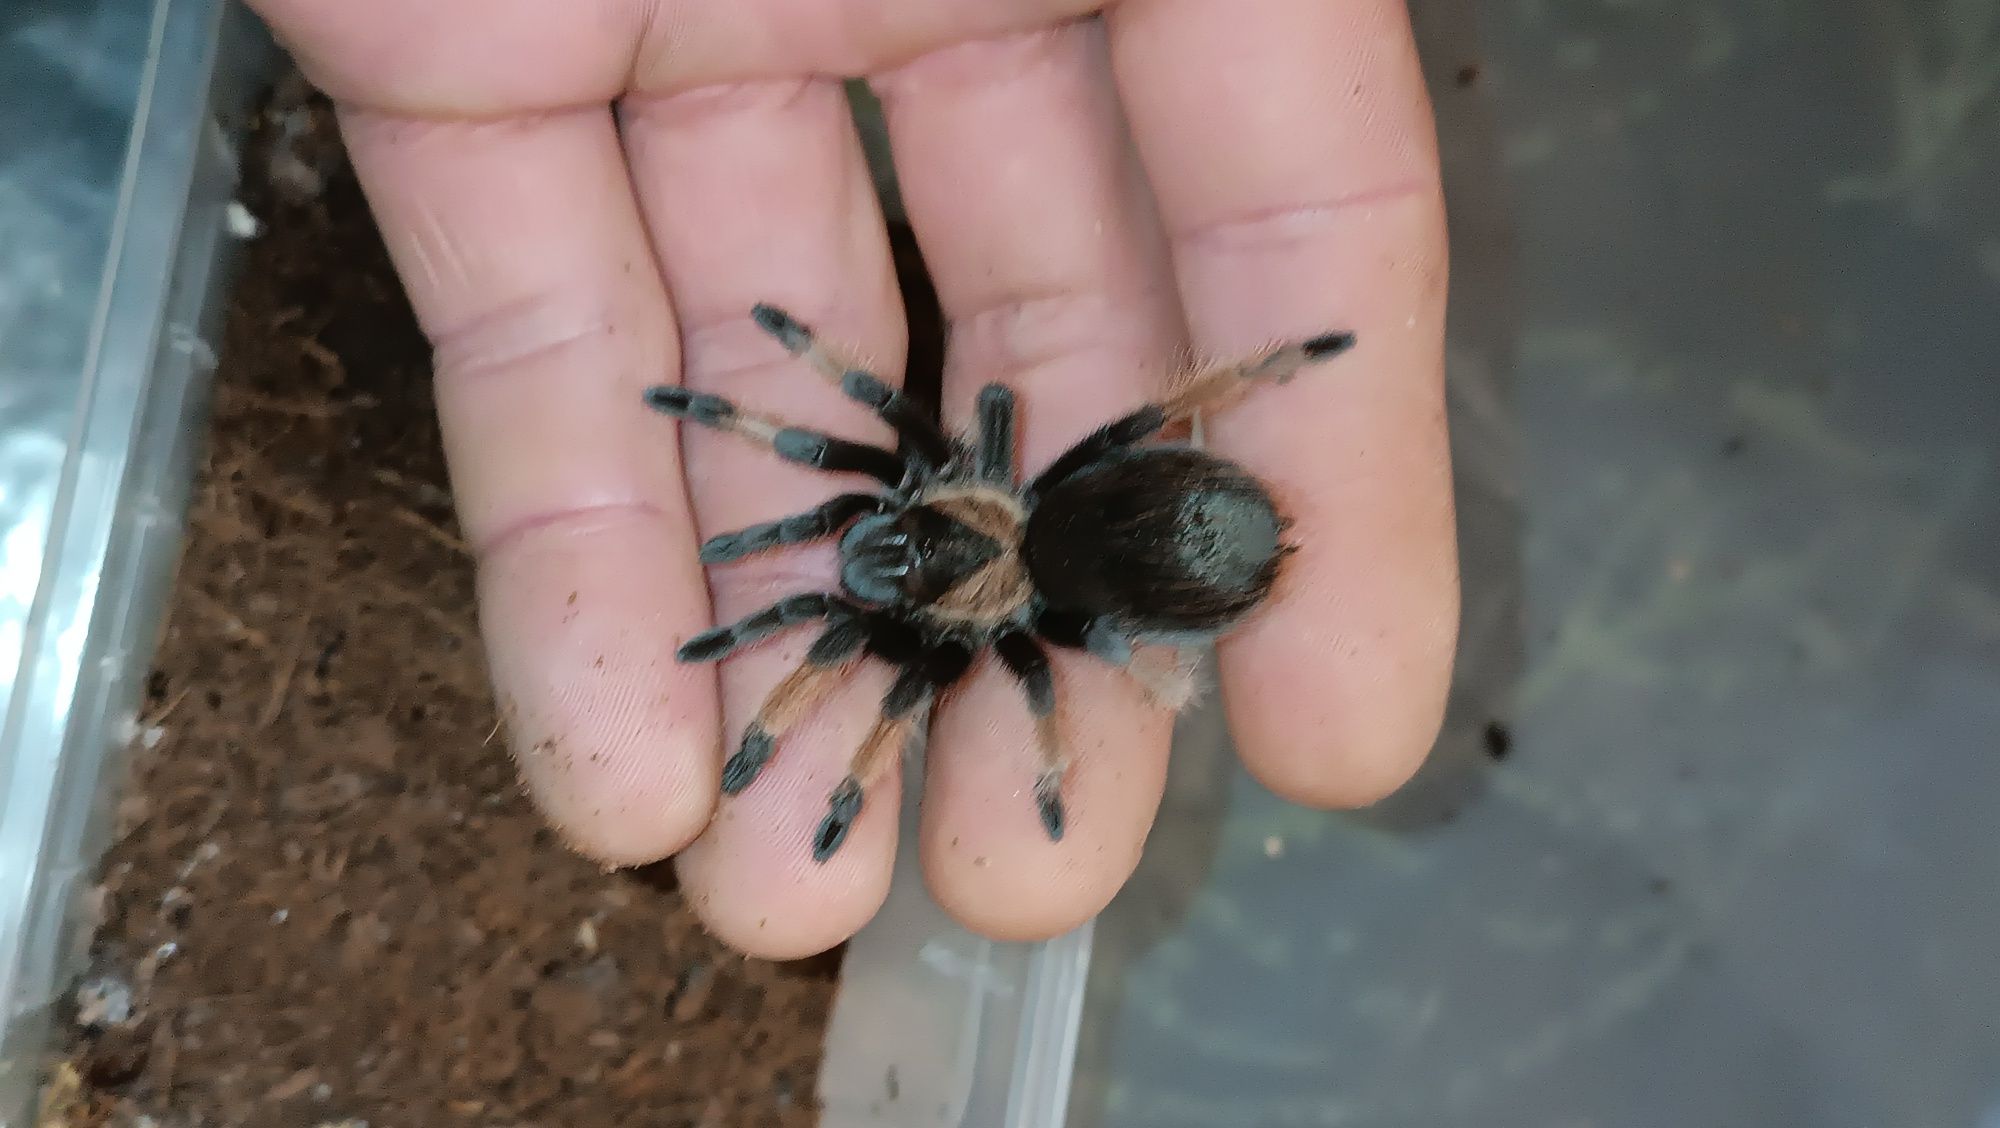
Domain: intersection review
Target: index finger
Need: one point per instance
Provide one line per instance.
(1300, 188)
(524, 255)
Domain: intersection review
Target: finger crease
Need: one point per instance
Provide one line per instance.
(513, 334)
(568, 520)
(973, 63)
(721, 348)
(1288, 224)
(682, 107)
(408, 125)
(1022, 333)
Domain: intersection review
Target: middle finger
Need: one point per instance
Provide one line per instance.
(759, 192)
(1038, 230)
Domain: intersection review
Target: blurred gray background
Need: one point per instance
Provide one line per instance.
(1725, 369)
(1724, 346)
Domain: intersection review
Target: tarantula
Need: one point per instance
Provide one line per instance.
(1113, 544)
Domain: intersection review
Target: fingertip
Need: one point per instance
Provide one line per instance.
(752, 876)
(613, 737)
(1014, 892)
(762, 894)
(1347, 728)
(628, 791)
(1351, 771)
(784, 935)
(988, 856)
(618, 823)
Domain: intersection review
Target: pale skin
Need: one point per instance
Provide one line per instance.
(586, 198)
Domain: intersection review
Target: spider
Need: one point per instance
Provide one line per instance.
(1117, 542)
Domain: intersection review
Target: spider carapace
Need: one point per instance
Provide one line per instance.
(1122, 540)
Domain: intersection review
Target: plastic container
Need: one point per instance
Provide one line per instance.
(114, 247)
(937, 1028)
(113, 207)
(1708, 838)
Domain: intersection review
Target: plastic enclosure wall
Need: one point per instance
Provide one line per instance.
(934, 1026)
(115, 529)
(937, 1028)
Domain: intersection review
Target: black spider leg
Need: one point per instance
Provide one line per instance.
(994, 459)
(1134, 428)
(826, 663)
(1030, 666)
(918, 435)
(793, 444)
(822, 520)
(717, 643)
(921, 449)
(1092, 634)
(923, 674)
(1210, 388)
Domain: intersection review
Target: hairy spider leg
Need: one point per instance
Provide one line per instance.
(903, 708)
(994, 457)
(717, 643)
(1078, 631)
(1210, 389)
(891, 733)
(1220, 386)
(826, 662)
(822, 520)
(793, 444)
(1171, 685)
(1136, 427)
(1030, 666)
(919, 435)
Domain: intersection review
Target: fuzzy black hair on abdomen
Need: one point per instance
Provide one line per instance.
(1162, 539)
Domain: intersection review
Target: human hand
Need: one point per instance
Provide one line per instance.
(1093, 199)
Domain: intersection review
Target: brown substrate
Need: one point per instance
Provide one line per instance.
(329, 901)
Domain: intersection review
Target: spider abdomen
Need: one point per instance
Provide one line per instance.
(1163, 540)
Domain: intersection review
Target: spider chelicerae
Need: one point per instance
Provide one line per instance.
(1120, 541)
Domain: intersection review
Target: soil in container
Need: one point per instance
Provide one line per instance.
(329, 902)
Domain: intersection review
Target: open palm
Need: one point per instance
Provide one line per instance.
(587, 198)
